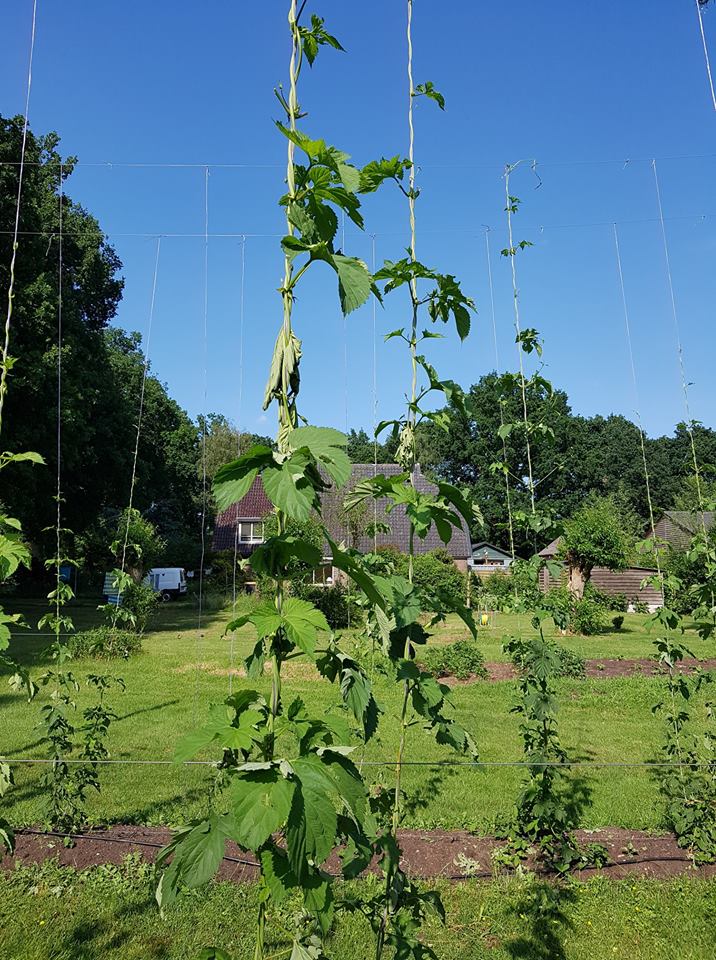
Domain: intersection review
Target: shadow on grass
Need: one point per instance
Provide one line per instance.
(96, 938)
(541, 909)
(171, 810)
(21, 750)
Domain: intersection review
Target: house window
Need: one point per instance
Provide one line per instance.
(251, 531)
(323, 575)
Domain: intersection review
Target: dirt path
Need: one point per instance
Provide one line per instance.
(426, 853)
(606, 668)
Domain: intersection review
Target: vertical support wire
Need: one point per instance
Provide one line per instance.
(16, 226)
(679, 347)
(200, 615)
(635, 387)
(239, 418)
(58, 450)
(508, 496)
(706, 52)
(375, 398)
(518, 330)
(140, 412)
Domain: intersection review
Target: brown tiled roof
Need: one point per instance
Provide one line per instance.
(678, 527)
(551, 549)
(331, 501)
(254, 506)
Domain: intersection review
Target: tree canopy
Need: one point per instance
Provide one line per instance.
(102, 367)
(582, 456)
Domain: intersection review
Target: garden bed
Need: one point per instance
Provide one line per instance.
(633, 667)
(452, 855)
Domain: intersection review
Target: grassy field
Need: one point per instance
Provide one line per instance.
(50, 913)
(183, 669)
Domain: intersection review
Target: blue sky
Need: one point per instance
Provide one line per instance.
(581, 88)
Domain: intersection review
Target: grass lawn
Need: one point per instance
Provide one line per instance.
(183, 669)
(50, 913)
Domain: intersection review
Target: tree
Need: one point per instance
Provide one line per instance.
(582, 456)
(362, 449)
(91, 290)
(220, 441)
(597, 535)
(102, 367)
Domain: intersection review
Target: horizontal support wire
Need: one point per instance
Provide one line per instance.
(427, 166)
(403, 763)
(470, 231)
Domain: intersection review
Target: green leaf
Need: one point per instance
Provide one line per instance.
(377, 172)
(277, 873)
(196, 850)
(348, 782)
(427, 89)
(311, 827)
(233, 481)
(318, 898)
(326, 445)
(214, 953)
(261, 801)
(354, 281)
(300, 619)
(290, 487)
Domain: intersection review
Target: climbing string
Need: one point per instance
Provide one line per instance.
(4, 363)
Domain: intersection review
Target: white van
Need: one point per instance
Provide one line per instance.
(170, 582)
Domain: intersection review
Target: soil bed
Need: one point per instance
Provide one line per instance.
(639, 667)
(426, 853)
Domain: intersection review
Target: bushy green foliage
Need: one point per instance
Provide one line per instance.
(462, 659)
(141, 602)
(564, 662)
(333, 602)
(435, 570)
(104, 643)
(598, 534)
(587, 617)
(521, 581)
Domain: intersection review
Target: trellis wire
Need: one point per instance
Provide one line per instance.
(497, 371)
(16, 228)
(203, 445)
(642, 437)
(375, 398)
(559, 162)
(516, 311)
(679, 346)
(239, 417)
(58, 451)
(439, 231)
(706, 52)
(475, 764)
(140, 414)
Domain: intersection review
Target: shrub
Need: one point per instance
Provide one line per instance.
(141, 601)
(587, 617)
(521, 579)
(571, 664)
(104, 643)
(462, 659)
(435, 570)
(333, 602)
(620, 602)
(618, 622)
(598, 596)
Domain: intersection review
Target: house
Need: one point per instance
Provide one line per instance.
(612, 582)
(241, 527)
(678, 527)
(486, 558)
